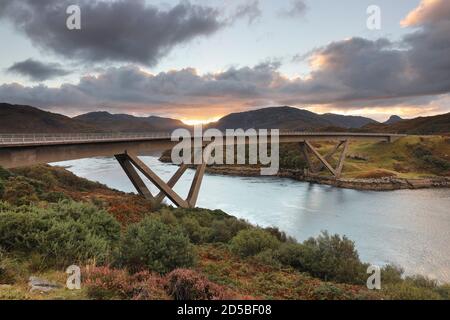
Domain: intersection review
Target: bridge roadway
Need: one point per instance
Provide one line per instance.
(17, 150)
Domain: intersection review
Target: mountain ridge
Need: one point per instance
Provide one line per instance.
(27, 119)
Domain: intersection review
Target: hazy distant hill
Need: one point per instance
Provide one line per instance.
(343, 121)
(288, 118)
(393, 119)
(128, 123)
(26, 119)
(423, 125)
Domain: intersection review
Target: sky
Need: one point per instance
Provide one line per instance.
(200, 60)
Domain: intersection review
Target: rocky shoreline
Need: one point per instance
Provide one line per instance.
(378, 184)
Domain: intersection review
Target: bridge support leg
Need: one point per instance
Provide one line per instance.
(134, 177)
(329, 156)
(309, 163)
(130, 161)
(340, 165)
(324, 161)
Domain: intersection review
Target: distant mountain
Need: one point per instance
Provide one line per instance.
(423, 125)
(343, 121)
(128, 123)
(393, 119)
(288, 118)
(26, 119)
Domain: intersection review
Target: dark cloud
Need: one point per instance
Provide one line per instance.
(130, 31)
(38, 71)
(130, 86)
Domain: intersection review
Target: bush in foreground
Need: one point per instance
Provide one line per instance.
(104, 283)
(65, 233)
(251, 242)
(183, 284)
(151, 244)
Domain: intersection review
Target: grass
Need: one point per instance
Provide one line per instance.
(367, 159)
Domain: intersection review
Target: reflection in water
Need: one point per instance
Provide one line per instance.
(410, 228)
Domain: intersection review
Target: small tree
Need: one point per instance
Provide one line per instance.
(151, 244)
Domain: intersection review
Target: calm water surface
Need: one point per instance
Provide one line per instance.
(410, 228)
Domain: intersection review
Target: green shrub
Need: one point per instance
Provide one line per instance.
(225, 230)
(444, 291)
(4, 174)
(53, 196)
(196, 233)
(420, 151)
(391, 274)
(332, 258)
(65, 233)
(437, 163)
(19, 191)
(422, 282)
(280, 235)
(157, 246)
(293, 255)
(269, 258)
(328, 291)
(253, 241)
(10, 269)
(408, 291)
(2, 188)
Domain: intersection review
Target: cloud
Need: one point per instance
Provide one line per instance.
(124, 31)
(358, 69)
(349, 75)
(38, 71)
(251, 11)
(297, 9)
(428, 12)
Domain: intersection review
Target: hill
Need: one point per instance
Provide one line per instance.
(128, 123)
(393, 119)
(342, 121)
(439, 124)
(288, 118)
(26, 119)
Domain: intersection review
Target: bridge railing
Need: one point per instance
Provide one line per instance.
(78, 137)
(30, 139)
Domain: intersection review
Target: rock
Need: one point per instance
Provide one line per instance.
(358, 157)
(41, 285)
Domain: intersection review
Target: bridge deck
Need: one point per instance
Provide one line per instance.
(23, 140)
(18, 150)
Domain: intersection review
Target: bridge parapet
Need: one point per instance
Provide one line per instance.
(11, 140)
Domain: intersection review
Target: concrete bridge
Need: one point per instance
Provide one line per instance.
(18, 150)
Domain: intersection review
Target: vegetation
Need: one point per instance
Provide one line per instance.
(408, 157)
(154, 245)
(129, 252)
(63, 234)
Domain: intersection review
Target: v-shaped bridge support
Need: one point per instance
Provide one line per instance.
(324, 160)
(130, 162)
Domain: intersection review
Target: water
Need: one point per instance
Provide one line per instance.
(410, 228)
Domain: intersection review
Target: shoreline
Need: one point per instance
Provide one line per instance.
(372, 184)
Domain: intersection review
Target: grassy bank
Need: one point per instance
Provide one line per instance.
(412, 157)
(50, 219)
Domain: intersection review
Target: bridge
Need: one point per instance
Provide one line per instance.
(17, 150)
